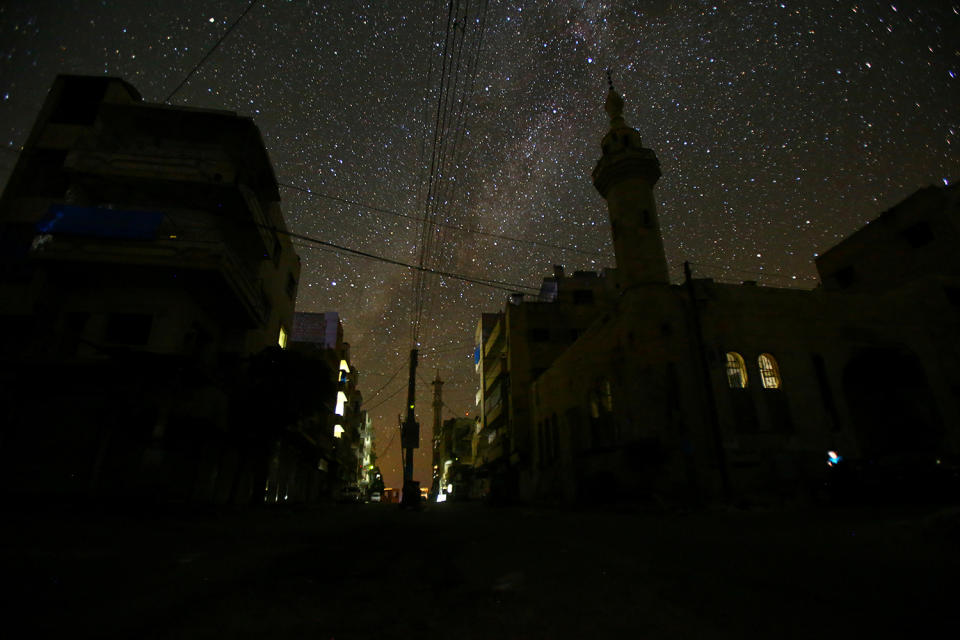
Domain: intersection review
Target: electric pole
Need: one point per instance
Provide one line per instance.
(410, 439)
(435, 487)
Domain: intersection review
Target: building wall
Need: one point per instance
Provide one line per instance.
(915, 238)
(520, 344)
(661, 435)
(147, 239)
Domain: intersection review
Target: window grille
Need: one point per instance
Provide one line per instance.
(736, 371)
(769, 372)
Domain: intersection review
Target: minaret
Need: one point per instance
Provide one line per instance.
(625, 176)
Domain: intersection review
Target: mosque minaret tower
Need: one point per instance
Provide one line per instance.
(624, 176)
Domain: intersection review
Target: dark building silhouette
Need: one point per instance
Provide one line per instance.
(142, 263)
(514, 348)
(342, 430)
(453, 459)
(706, 390)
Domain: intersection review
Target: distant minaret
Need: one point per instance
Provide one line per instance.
(437, 403)
(625, 176)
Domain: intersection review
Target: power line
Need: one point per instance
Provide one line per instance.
(493, 284)
(319, 194)
(377, 392)
(389, 397)
(425, 234)
(450, 154)
(212, 49)
(452, 101)
(458, 347)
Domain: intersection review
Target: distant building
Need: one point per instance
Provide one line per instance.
(346, 441)
(371, 480)
(142, 251)
(707, 390)
(453, 447)
(323, 329)
(520, 344)
(489, 398)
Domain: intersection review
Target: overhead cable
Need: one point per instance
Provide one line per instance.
(210, 52)
(487, 282)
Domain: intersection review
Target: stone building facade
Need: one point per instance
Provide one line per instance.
(520, 344)
(706, 390)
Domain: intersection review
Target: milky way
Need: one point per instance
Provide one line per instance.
(780, 128)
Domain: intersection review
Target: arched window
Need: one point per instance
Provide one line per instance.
(769, 371)
(736, 371)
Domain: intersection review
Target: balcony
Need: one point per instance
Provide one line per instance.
(184, 165)
(491, 416)
(494, 340)
(493, 373)
(181, 240)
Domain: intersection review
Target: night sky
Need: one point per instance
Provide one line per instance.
(781, 127)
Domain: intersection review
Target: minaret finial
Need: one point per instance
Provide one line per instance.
(614, 105)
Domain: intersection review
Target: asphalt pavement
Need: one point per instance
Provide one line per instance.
(467, 570)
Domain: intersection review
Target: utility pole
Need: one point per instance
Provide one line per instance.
(410, 439)
(707, 385)
(435, 487)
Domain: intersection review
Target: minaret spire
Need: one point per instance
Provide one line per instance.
(614, 105)
(624, 176)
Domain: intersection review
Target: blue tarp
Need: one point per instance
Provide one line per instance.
(99, 222)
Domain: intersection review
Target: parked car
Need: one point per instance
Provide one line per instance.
(349, 494)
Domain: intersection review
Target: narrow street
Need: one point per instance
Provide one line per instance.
(473, 571)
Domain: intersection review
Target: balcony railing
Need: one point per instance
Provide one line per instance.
(181, 239)
(190, 165)
(491, 416)
(493, 373)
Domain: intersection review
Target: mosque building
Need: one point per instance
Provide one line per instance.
(707, 390)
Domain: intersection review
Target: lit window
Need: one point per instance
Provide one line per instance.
(344, 366)
(606, 396)
(341, 400)
(769, 372)
(736, 371)
(282, 338)
(337, 431)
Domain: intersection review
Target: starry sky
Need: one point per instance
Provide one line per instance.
(781, 127)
